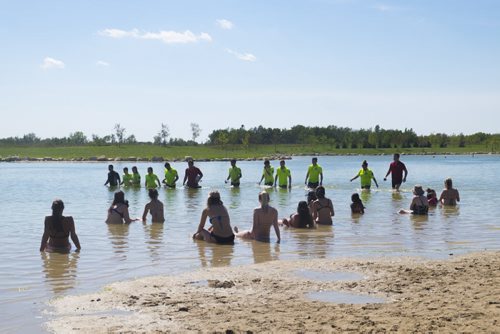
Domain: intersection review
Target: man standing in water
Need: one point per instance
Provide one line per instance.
(314, 175)
(234, 174)
(192, 175)
(113, 177)
(267, 174)
(283, 176)
(396, 169)
(171, 176)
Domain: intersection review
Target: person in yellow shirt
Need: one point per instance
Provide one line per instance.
(126, 178)
(151, 180)
(283, 176)
(366, 176)
(136, 177)
(314, 176)
(234, 174)
(267, 174)
(171, 176)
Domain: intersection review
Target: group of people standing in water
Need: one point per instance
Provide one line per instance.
(317, 210)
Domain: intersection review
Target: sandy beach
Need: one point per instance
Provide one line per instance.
(461, 294)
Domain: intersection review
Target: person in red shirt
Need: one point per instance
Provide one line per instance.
(193, 175)
(396, 169)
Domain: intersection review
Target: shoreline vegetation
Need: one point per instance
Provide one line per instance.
(244, 144)
(156, 153)
(417, 295)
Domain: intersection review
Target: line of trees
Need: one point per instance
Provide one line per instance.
(343, 137)
(335, 137)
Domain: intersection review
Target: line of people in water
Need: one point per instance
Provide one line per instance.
(317, 210)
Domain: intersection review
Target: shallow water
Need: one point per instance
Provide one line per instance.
(344, 298)
(112, 253)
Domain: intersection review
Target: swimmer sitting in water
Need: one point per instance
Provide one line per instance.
(419, 204)
(57, 230)
(301, 219)
(450, 195)
(220, 231)
(322, 208)
(357, 205)
(155, 207)
(118, 211)
(264, 217)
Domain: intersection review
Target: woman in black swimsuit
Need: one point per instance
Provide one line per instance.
(220, 232)
(57, 231)
(118, 211)
(322, 208)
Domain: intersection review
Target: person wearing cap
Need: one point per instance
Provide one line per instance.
(234, 174)
(366, 176)
(419, 204)
(314, 176)
(283, 176)
(267, 174)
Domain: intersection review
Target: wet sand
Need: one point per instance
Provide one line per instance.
(461, 294)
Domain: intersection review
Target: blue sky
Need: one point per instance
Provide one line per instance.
(69, 66)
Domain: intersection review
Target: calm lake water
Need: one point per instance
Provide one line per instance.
(111, 253)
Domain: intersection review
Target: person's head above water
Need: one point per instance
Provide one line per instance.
(57, 207)
(214, 198)
(110, 168)
(264, 198)
(448, 183)
(396, 156)
(167, 165)
(418, 190)
(153, 193)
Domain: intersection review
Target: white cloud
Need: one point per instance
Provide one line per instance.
(102, 63)
(225, 24)
(50, 63)
(386, 8)
(167, 37)
(242, 56)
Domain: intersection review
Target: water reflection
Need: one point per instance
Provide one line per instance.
(60, 270)
(450, 211)
(213, 255)
(419, 221)
(262, 251)
(312, 243)
(234, 198)
(118, 235)
(154, 239)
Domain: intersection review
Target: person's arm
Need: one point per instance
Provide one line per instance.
(275, 180)
(406, 172)
(387, 174)
(126, 216)
(159, 183)
(45, 236)
(355, 177)
(255, 222)
(332, 212)
(289, 181)
(176, 177)
(119, 178)
(185, 177)
(307, 176)
(276, 227)
(375, 180)
(458, 196)
(72, 233)
(321, 178)
(145, 213)
(203, 219)
(441, 197)
(107, 181)
(200, 174)
(315, 211)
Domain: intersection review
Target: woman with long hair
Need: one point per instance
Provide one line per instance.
(220, 232)
(57, 231)
(118, 211)
(301, 219)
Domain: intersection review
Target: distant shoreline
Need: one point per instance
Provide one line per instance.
(164, 159)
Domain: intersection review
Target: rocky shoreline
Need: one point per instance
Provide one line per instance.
(103, 158)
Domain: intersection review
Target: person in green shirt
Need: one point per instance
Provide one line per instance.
(136, 177)
(314, 176)
(126, 178)
(283, 176)
(366, 176)
(171, 176)
(151, 180)
(267, 174)
(234, 174)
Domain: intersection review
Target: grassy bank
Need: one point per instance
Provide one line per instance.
(211, 152)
